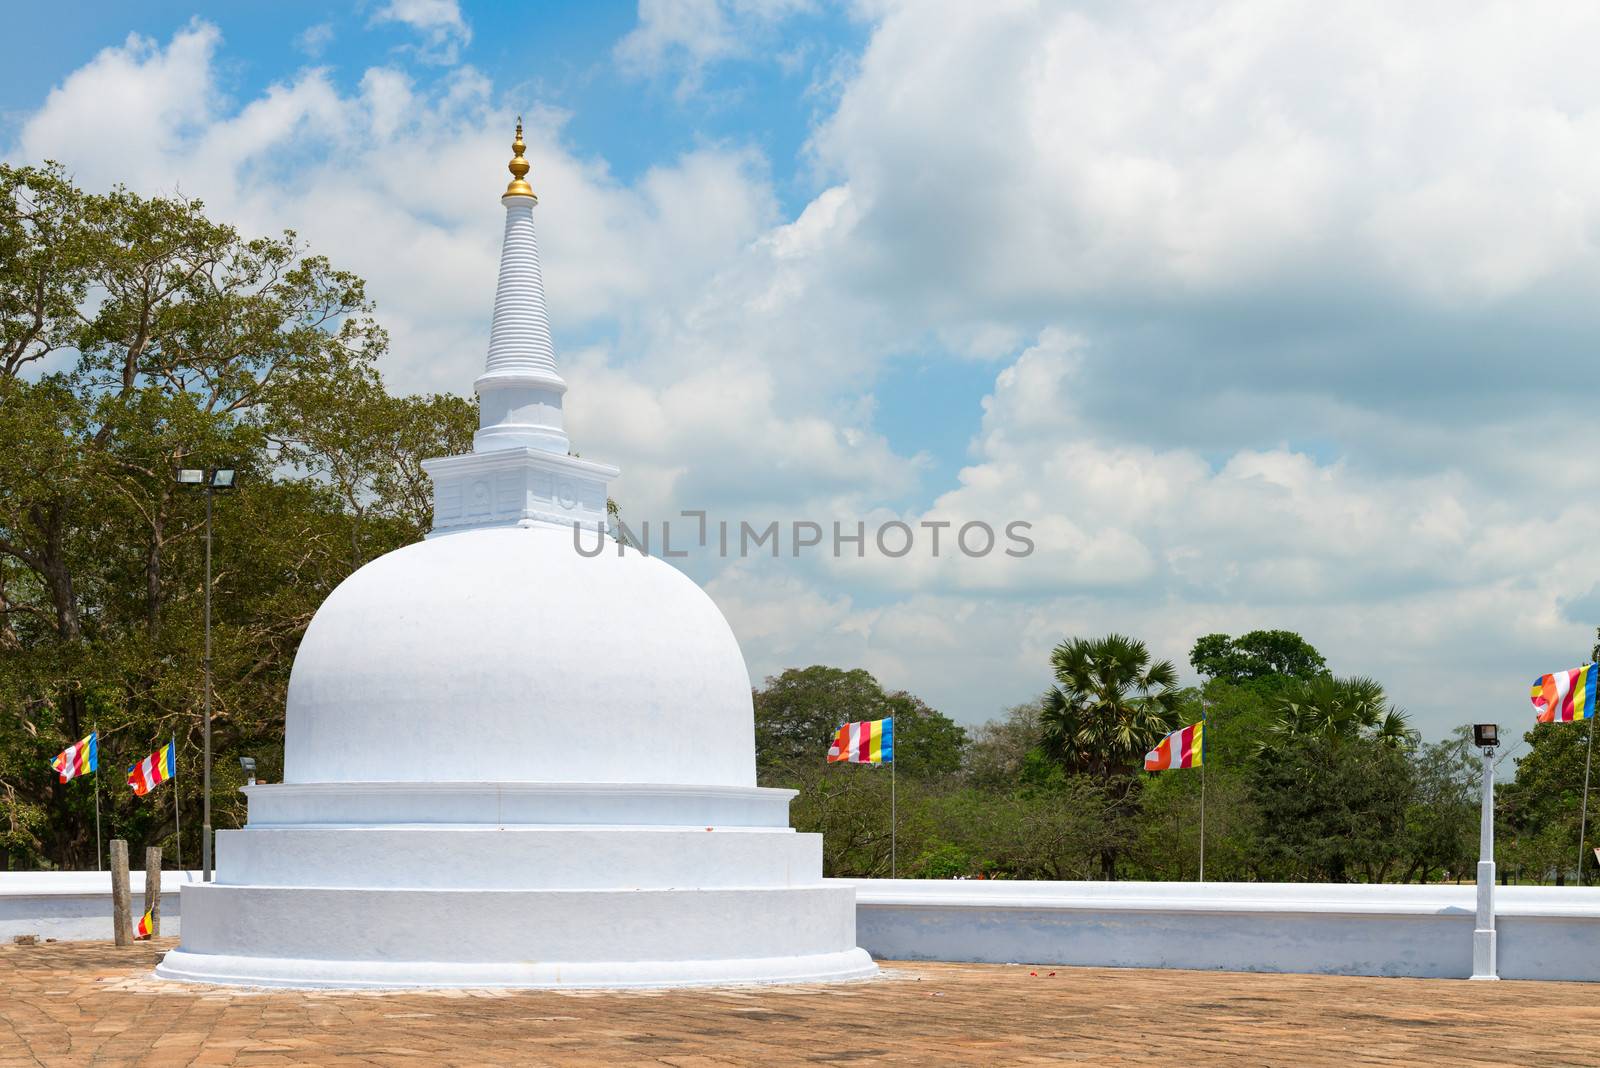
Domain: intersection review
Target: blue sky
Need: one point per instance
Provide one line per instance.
(1265, 315)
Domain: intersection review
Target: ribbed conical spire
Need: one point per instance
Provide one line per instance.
(520, 472)
(519, 393)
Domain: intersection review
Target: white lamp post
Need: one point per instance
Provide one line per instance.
(1487, 737)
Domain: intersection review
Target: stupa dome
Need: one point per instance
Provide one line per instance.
(504, 654)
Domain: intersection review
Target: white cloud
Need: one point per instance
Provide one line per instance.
(663, 266)
(1285, 302)
(687, 36)
(444, 32)
(314, 40)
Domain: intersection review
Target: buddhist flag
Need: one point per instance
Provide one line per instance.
(78, 759)
(1564, 696)
(869, 741)
(147, 925)
(1183, 748)
(154, 769)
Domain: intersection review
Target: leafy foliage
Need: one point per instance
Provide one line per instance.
(137, 336)
(1109, 705)
(1260, 654)
(798, 712)
(1335, 710)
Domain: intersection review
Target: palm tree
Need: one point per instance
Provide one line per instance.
(1338, 709)
(1109, 705)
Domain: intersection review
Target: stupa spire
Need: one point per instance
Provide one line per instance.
(519, 393)
(518, 167)
(520, 471)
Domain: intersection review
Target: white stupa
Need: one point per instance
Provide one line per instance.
(511, 764)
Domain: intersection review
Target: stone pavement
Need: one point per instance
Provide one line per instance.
(91, 1004)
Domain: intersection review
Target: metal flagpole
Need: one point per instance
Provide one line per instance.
(1583, 818)
(1588, 758)
(1204, 719)
(177, 818)
(99, 860)
(894, 823)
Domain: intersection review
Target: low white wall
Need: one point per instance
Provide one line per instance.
(75, 906)
(1420, 931)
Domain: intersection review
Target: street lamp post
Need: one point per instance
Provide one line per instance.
(1487, 737)
(212, 480)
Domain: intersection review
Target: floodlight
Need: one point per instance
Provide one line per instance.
(222, 478)
(1486, 735)
(191, 476)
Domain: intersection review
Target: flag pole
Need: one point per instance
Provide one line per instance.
(99, 860)
(177, 818)
(1204, 722)
(1588, 758)
(1583, 818)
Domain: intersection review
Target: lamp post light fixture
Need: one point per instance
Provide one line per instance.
(1486, 736)
(213, 480)
(249, 766)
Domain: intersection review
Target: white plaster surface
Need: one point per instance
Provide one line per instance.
(519, 858)
(504, 655)
(520, 391)
(508, 762)
(1419, 931)
(313, 973)
(75, 906)
(508, 804)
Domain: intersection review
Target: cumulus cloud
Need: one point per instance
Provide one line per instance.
(1282, 301)
(686, 388)
(684, 37)
(438, 22)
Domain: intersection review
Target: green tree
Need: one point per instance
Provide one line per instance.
(798, 712)
(1058, 833)
(1110, 704)
(1337, 709)
(138, 335)
(1000, 752)
(1540, 809)
(1332, 809)
(1441, 827)
(1260, 654)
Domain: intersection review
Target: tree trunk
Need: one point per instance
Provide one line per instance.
(152, 579)
(53, 569)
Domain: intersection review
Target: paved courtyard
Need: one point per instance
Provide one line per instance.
(90, 1003)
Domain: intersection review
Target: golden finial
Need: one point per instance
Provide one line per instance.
(518, 167)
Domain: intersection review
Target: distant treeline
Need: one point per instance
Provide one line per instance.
(1308, 776)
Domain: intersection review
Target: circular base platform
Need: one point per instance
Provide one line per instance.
(322, 974)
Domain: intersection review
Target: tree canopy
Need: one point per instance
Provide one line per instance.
(798, 712)
(138, 335)
(1260, 654)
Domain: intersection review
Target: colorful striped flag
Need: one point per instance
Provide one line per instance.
(147, 925)
(868, 741)
(1183, 748)
(1565, 696)
(78, 759)
(154, 769)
